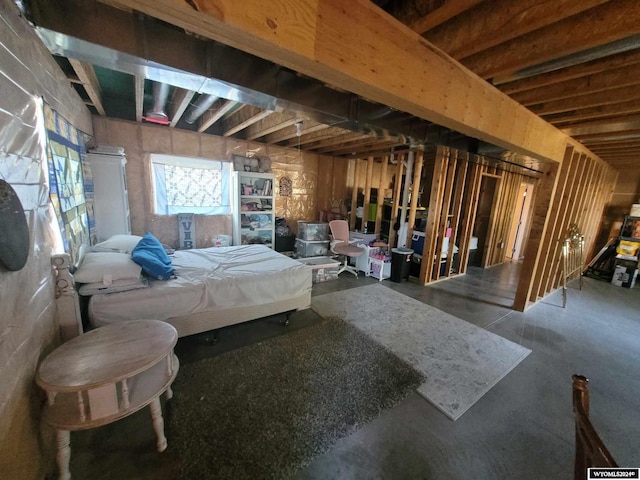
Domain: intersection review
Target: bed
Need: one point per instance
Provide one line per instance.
(213, 287)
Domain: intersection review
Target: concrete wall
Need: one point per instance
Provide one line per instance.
(27, 307)
(139, 140)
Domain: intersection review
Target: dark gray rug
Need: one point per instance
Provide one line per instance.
(265, 410)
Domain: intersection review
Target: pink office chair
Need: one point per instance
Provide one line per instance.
(341, 245)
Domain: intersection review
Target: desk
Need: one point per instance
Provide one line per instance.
(105, 375)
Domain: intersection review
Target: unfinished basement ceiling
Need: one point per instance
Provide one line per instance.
(575, 65)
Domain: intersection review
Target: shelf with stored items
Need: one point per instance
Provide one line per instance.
(625, 268)
(387, 217)
(630, 229)
(375, 262)
(253, 210)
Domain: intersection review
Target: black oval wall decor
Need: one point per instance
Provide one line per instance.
(14, 231)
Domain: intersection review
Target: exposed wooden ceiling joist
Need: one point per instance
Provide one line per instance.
(468, 33)
(617, 78)
(288, 133)
(448, 10)
(355, 149)
(576, 71)
(87, 77)
(598, 26)
(210, 117)
(271, 124)
(604, 111)
(326, 41)
(138, 89)
(179, 103)
(256, 117)
(336, 140)
(586, 101)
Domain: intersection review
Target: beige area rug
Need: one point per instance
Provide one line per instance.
(461, 362)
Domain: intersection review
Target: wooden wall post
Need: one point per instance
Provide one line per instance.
(354, 196)
(381, 187)
(417, 177)
(367, 194)
(396, 199)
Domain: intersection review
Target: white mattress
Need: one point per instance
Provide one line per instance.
(209, 279)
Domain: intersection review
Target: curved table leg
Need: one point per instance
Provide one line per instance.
(63, 456)
(158, 423)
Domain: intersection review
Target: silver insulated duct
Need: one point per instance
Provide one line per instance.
(200, 106)
(160, 95)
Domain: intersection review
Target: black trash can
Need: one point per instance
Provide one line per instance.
(400, 264)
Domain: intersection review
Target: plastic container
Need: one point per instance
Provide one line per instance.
(323, 268)
(313, 231)
(400, 264)
(417, 241)
(306, 248)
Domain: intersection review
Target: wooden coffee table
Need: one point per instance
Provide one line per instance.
(105, 375)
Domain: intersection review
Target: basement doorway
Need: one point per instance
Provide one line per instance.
(520, 225)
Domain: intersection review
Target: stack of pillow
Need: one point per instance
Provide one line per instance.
(117, 264)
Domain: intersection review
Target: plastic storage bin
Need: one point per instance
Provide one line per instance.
(323, 268)
(313, 231)
(308, 248)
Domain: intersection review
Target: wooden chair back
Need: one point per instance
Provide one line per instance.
(590, 450)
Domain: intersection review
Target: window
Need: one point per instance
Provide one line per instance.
(190, 185)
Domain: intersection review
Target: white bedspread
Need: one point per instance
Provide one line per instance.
(208, 280)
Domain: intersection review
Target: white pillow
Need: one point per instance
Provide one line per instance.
(118, 243)
(122, 285)
(103, 267)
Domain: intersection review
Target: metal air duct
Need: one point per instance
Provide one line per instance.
(160, 95)
(199, 107)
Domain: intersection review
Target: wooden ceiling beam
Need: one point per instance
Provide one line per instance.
(308, 127)
(353, 145)
(616, 148)
(87, 77)
(358, 48)
(271, 124)
(604, 126)
(577, 71)
(138, 92)
(356, 148)
(631, 143)
(608, 136)
(614, 109)
(595, 27)
(468, 33)
(210, 116)
(343, 139)
(449, 10)
(626, 143)
(248, 122)
(179, 102)
(585, 101)
(311, 134)
(598, 82)
(377, 150)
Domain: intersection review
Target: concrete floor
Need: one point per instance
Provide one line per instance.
(522, 428)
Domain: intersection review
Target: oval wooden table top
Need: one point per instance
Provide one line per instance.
(106, 355)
